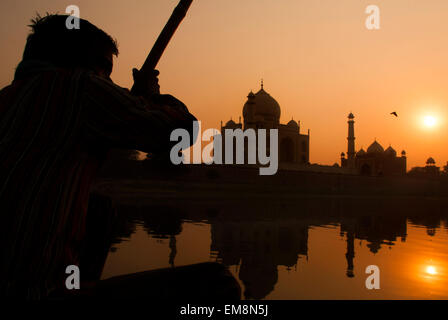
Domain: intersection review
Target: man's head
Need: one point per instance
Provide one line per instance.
(87, 47)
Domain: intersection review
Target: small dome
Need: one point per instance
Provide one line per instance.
(403, 153)
(351, 116)
(375, 147)
(293, 125)
(249, 106)
(390, 152)
(342, 155)
(430, 161)
(230, 123)
(361, 152)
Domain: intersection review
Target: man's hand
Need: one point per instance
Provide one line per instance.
(145, 85)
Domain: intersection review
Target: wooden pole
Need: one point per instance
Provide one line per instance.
(164, 38)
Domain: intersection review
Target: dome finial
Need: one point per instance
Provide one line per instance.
(262, 85)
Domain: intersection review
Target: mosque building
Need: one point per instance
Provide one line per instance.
(261, 111)
(375, 161)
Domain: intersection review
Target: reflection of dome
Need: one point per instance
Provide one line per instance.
(293, 125)
(263, 104)
(351, 116)
(390, 152)
(259, 279)
(375, 147)
(361, 152)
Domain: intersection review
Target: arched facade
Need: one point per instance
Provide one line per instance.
(262, 111)
(286, 150)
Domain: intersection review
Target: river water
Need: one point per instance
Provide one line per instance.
(312, 249)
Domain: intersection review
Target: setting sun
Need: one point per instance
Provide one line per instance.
(430, 121)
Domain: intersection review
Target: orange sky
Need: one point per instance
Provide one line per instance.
(316, 57)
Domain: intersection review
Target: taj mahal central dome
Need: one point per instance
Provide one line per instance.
(261, 105)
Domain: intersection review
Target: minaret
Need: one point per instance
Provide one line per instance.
(351, 139)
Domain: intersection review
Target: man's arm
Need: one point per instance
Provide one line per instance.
(115, 118)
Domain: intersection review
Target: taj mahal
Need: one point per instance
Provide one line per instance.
(262, 111)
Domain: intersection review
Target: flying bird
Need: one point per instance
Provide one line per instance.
(394, 113)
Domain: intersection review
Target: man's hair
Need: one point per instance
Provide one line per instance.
(50, 40)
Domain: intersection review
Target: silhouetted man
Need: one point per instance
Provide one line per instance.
(58, 119)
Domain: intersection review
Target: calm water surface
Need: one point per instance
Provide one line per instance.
(317, 250)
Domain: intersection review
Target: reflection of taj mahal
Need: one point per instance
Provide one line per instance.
(261, 111)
